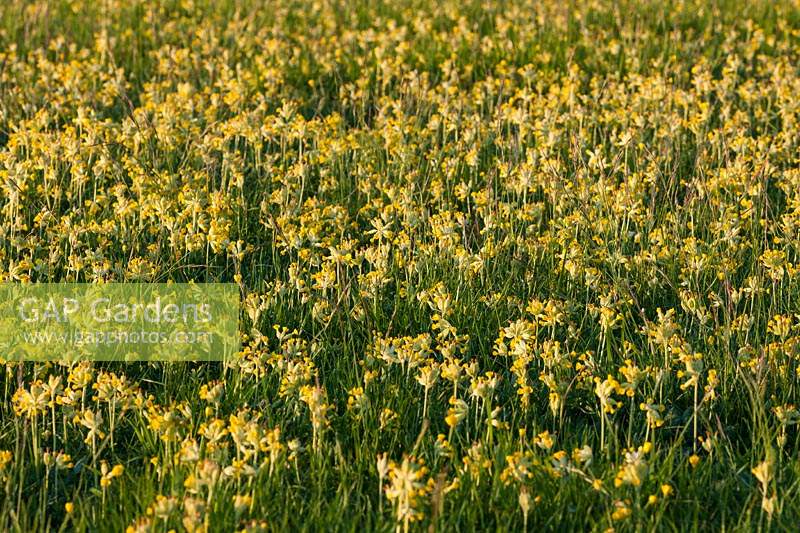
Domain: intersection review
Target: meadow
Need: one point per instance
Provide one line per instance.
(504, 265)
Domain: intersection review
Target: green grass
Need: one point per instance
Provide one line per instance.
(300, 127)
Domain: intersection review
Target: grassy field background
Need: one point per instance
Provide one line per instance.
(503, 265)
